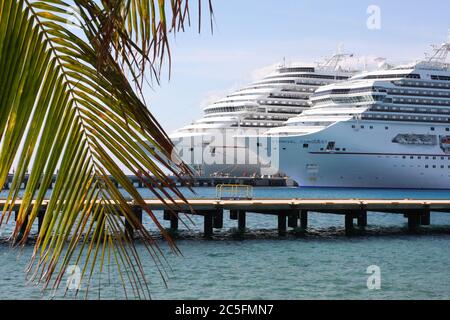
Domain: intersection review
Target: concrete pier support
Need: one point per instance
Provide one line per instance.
(413, 222)
(40, 217)
(172, 217)
(233, 214)
(362, 219)
(218, 219)
(293, 219)
(349, 229)
(129, 229)
(304, 219)
(208, 225)
(241, 220)
(23, 227)
(166, 215)
(425, 217)
(174, 221)
(282, 225)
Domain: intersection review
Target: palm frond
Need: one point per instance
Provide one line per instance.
(67, 105)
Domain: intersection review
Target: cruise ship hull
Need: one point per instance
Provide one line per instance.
(228, 153)
(364, 155)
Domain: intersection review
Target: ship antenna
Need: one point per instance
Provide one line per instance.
(334, 61)
(440, 53)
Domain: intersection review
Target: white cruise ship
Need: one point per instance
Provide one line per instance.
(212, 145)
(381, 129)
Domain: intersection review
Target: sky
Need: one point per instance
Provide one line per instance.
(252, 35)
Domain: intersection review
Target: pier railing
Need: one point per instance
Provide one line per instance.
(234, 192)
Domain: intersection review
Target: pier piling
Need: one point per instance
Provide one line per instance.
(174, 221)
(349, 224)
(218, 219)
(362, 219)
(304, 219)
(172, 217)
(413, 222)
(233, 214)
(282, 224)
(208, 225)
(425, 217)
(129, 229)
(23, 227)
(241, 220)
(40, 217)
(293, 219)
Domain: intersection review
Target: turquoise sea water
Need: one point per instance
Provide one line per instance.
(322, 265)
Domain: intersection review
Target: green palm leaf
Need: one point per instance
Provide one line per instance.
(66, 105)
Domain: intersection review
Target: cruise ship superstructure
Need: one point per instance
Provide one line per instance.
(380, 129)
(212, 145)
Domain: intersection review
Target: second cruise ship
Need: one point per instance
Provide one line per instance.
(212, 145)
(381, 129)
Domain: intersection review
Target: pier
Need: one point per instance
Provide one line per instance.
(288, 213)
(195, 181)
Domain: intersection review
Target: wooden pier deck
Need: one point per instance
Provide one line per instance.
(292, 213)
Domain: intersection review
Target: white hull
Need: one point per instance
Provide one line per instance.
(227, 153)
(366, 157)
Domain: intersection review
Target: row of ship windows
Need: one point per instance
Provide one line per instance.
(424, 93)
(256, 87)
(299, 89)
(419, 166)
(387, 128)
(388, 76)
(309, 76)
(285, 111)
(296, 69)
(256, 124)
(224, 109)
(436, 77)
(304, 103)
(419, 92)
(231, 100)
(416, 157)
(346, 91)
(242, 95)
(298, 82)
(275, 81)
(409, 109)
(311, 83)
(292, 95)
(404, 118)
(370, 98)
(293, 87)
(423, 84)
(300, 96)
(263, 117)
(419, 101)
(283, 103)
(322, 76)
